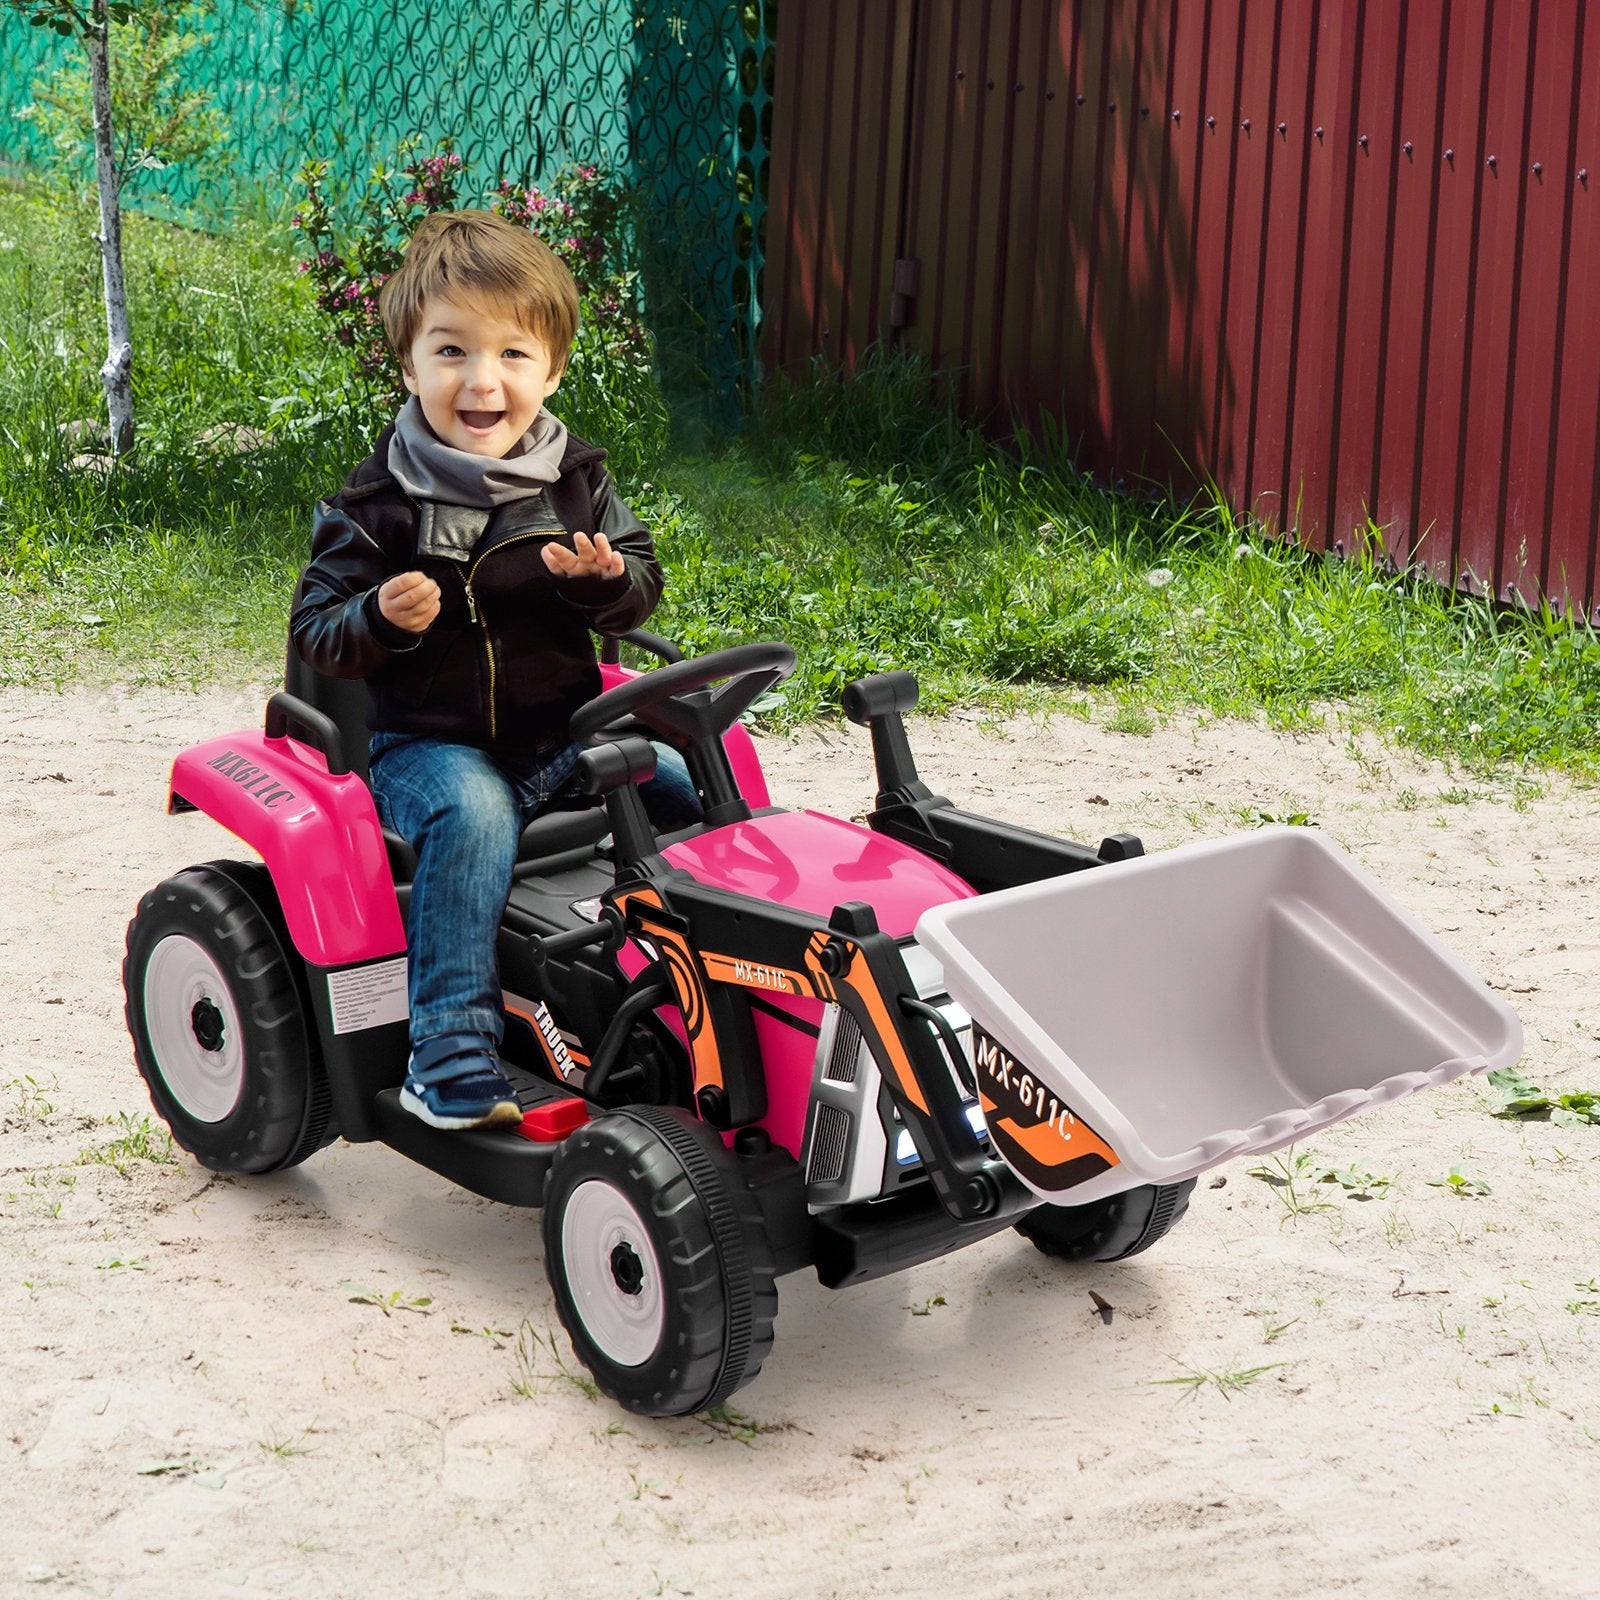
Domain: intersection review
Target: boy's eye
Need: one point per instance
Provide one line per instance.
(521, 355)
(450, 350)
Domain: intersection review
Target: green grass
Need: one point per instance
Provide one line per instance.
(876, 533)
(1226, 1381)
(141, 1140)
(862, 521)
(178, 564)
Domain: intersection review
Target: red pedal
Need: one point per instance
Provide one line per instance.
(552, 1120)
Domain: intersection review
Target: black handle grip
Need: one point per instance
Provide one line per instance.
(609, 766)
(286, 711)
(642, 639)
(878, 695)
(607, 933)
(653, 644)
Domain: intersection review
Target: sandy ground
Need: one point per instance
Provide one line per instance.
(1397, 1396)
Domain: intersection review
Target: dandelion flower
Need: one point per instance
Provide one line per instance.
(1158, 577)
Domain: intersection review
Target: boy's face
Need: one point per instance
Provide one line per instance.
(480, 377)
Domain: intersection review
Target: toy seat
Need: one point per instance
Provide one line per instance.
(342, 699)
(569, 825)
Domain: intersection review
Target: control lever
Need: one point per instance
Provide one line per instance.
(606, 934)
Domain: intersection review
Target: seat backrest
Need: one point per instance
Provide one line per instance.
(343, 699)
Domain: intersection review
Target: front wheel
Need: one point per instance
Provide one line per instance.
(218, 1022)
(1111, 1229)
(659, 1261)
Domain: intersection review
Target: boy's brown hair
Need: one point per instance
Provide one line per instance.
(477, 256)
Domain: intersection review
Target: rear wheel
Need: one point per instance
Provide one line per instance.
(659, 1261)
(219, 1022)
(1111, 1229)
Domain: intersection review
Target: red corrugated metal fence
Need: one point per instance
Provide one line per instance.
(1341, 257)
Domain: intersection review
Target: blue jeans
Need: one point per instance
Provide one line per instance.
(463, 811)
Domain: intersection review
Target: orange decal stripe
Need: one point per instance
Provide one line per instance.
(753, 974)
(860, 979)
(687, 987)
(1049, 1148)
(691, 997)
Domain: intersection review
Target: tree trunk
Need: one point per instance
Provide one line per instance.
(117, 373)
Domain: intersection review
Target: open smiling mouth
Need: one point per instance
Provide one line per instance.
(483, 421)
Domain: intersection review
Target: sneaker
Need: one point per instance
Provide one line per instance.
(457, 1082)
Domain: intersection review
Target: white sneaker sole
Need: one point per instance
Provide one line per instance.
(503, 1114)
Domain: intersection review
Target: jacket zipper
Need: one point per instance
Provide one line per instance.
(472, 611)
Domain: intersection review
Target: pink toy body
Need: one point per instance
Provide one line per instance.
(808, 862)
(318, 834)
(811, 862)
(775, 1040)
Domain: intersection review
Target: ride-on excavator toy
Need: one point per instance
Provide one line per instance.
(776, 1040)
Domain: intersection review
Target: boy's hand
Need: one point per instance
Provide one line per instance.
(410, 601)
(590, 558)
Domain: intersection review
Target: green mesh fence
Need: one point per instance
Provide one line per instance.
(673, 95)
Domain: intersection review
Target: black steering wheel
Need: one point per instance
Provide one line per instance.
(678, 699)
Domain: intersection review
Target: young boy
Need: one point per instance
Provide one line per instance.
(460, 572)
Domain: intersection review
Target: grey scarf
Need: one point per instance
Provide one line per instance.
(429, 469)
(458, 491)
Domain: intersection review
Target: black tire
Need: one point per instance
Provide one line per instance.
(659, 1261)
(1112, 1229)
(217, 1012)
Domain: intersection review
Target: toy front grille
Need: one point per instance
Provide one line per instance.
(830, 1144)
(846, 1052)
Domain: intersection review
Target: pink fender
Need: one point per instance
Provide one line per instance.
(736, 741)
(318, 834)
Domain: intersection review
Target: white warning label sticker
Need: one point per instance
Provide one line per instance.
(368, 997)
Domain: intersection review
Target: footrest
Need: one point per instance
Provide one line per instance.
(504, 1164)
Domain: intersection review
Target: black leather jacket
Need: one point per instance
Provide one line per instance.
(509, 658)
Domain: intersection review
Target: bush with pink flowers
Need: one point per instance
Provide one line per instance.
(348, 265)
(581, 216)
